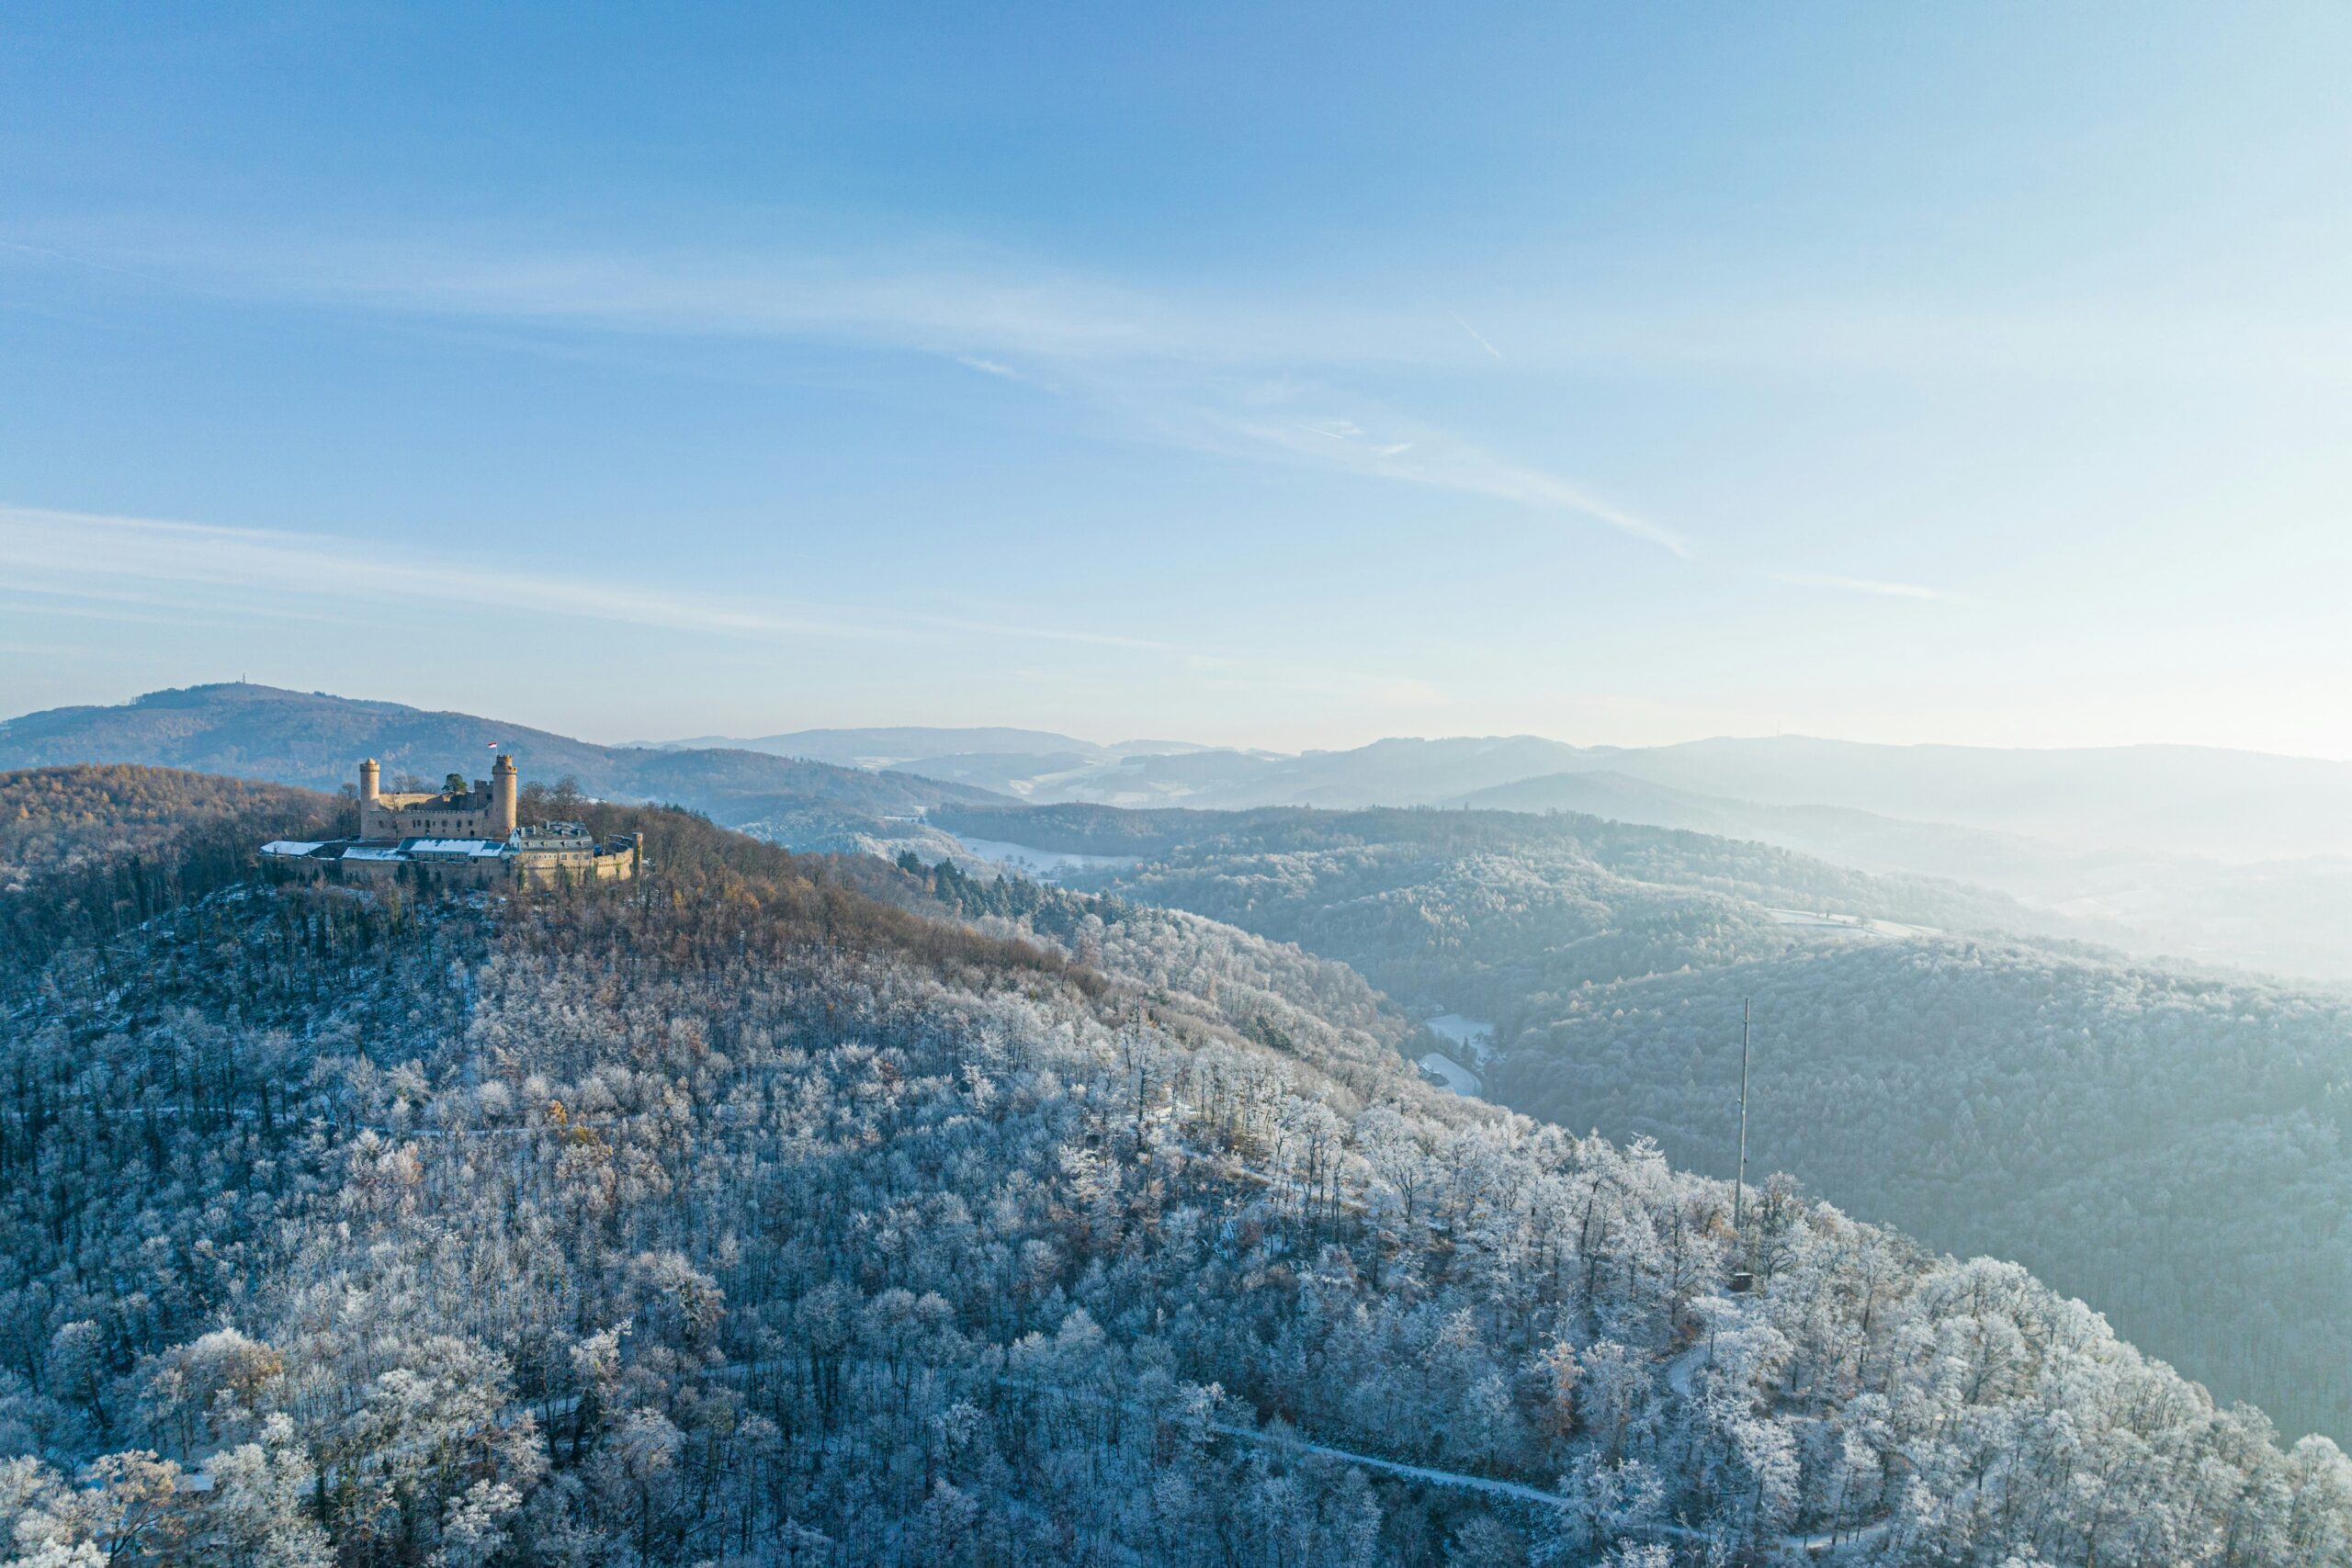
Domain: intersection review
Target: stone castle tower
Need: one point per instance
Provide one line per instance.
(487, 810)
(505, 781)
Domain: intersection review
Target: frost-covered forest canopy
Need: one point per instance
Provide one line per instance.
(2171, 1145)
(801, 1210)
(54, 821)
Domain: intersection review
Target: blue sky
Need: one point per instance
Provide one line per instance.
(1273, 377)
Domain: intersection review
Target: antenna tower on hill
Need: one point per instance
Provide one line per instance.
(1739, 1185)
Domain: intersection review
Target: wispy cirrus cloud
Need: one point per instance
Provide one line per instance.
(962, 301)
(87, 555)
(162, 572)
(1420, 455)
(927, 293)
(1475, 336)
(170, 574)
(1179, 367)
(1878, 587)
(1385, 447)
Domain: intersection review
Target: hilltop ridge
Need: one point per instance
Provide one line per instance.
(315, 741)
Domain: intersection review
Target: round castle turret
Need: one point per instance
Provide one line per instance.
(369, 774)
(503, 789)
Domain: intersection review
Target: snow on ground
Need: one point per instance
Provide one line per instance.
(1474, 1037)
(1463, 1031)
(1042, 864)
(1846, 925)
(1474, 1032)
(1458, 1078)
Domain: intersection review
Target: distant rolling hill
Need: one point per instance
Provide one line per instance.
(1040, 765)
(2130, 846)
(1385, 772)
(1030, 764)
(884, 746)
(2289, 916)
(2172, 799)
(2219, 857)
(2190, 799)
(313, 739)
(2168, 800)
(1401, 771)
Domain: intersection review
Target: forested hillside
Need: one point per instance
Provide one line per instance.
(2175, 1150)
(1484, 911)
(90, 851)
(785, 1210)
(60, 820)
(2169, 1147)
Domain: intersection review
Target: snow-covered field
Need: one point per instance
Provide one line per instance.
(1475, 1035)
(1458, 1078)
(1844, 925)
(1463, 1031)
(1042, 864)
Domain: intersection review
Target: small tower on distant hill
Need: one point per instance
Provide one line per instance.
(502, 790)
(369, 777)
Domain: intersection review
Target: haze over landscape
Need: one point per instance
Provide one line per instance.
(1570, 786)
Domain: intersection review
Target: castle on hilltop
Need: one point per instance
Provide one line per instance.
(486, 810)
(464, 831)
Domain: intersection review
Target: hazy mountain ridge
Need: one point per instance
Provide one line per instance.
(2202, 800)
(2172, 801)
(883, 746)
(2247, 909)
(747, 1209)
(2287, 916)
(2291, 915)
(316, 740)
(2225, 858)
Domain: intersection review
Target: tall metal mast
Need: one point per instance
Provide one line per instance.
(1740, 1187)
